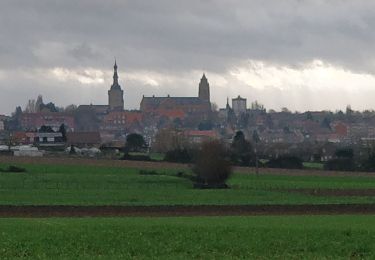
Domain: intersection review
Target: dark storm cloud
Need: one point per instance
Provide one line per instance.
(178, 36)
(187, 34)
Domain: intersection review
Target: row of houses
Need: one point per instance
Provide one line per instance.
(91, 139)
(56, 139)
(116, 124)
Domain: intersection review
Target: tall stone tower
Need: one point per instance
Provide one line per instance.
(115, 94)
(204, 89)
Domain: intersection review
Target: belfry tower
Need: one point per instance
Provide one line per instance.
(204, 89)
(115, 94)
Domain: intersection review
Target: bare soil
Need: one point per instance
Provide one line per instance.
(167, 165)
(165, 211)
(335, 192)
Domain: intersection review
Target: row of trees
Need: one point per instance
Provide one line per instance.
(177, 148)
(38, 105)
(346, 160)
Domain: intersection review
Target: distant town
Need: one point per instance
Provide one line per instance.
(168, 122)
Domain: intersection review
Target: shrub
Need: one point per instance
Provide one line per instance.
(147, 172)
(179, 155)
(285, 162)
(188, 176)
(212, 167)
(368, 164)
(72, 150)
(138, 157)
(344, 153)
(242, 152)
(135, 142)
(13, 168)
(340, 164)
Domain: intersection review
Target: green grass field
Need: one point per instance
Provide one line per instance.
(259, 237)
(313, 165)
(284, 237)
(89, 185)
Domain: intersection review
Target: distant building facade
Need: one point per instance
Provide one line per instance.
(204, 89)
(49, 139)
(2, 122)
(239, 105)
(120, 121)
(89, 118)
(184, 105)
(33, 121)
(197, 136)
(84, 139)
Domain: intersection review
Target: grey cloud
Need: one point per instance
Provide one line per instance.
(176, 36)
(191, 34)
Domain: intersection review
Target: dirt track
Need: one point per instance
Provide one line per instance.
(166, 165)
(206, 210)
(334, 192)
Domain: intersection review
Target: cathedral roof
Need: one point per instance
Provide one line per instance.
(97, 108)
(156, 101)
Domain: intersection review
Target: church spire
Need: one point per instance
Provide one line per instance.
(115, 94)
(115, 76)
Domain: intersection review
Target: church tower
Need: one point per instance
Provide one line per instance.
(204, 89)
(115, 94)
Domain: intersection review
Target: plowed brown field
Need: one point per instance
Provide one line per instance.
(204, 210)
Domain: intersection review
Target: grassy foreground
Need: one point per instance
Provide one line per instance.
(89, 185)
(287, 237)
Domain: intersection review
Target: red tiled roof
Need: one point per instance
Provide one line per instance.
(171, 113)
(19, 135)
(132, 117)
(129, 116)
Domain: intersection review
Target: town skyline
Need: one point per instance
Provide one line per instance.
(282, 55)
(107, 82)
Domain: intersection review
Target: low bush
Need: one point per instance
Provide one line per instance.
(189, 176)
(340, 164)
(148, 172)
(368, 164)
(285, 162)
(138, 157)
(179, 156)
(6, 153)
(13, 168)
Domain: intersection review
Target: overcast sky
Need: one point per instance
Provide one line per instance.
(304, 55)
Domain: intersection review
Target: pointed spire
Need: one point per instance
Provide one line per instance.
(115, 76)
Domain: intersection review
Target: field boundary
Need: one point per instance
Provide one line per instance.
(198, 210)
(168, 165)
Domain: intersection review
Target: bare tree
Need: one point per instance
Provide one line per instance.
(212, 165)
(30, 106)
(169, 139)
(38, 103)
